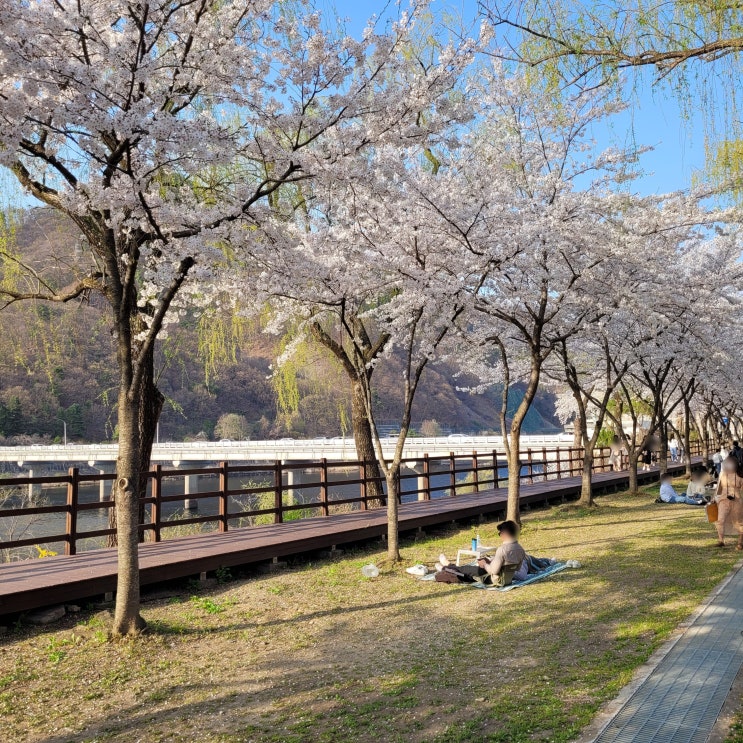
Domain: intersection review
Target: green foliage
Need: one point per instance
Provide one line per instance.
(293, 357)
(10, 269)
(208, 605)
(223, 574)
(73, 416)
(689, 46)
(232, 426)
(725, 166)
(220, 334)
(11, 417)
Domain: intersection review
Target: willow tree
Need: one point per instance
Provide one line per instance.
(688, 45)
(610, 36)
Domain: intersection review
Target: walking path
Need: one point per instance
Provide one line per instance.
(680, 699)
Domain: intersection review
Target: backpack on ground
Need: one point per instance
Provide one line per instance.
(452, 574)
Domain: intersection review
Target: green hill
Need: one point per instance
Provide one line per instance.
(57, 364)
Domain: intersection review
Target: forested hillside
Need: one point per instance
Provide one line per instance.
(56, 363)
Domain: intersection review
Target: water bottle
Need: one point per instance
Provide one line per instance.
(474, 544)
(477, 537)
(370, 571)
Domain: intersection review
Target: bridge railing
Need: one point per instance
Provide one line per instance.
(253, 494)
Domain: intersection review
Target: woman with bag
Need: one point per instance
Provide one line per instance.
(728, 501)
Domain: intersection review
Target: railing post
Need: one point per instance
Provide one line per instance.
(224, 496)
(426, 478)
(475, 473)
(278, 493)
(71, 525)
(362, 477)
(559, 463)
(544, 461)
(324, 486)
(496, 478)
(156, 511)
(452, 474)
(530, 463)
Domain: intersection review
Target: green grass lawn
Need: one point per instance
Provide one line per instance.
(318, 653)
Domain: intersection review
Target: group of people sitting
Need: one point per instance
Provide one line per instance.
(726, 493)
(511, 562)
(696, 491)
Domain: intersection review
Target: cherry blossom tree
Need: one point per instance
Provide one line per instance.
(548, 203)
(366, 267)
(592, 367)
(162, 129)
(671, 344)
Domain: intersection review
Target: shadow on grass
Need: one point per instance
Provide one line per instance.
(532, 666)
(438, 591)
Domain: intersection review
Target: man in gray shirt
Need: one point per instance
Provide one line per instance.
(499, 569)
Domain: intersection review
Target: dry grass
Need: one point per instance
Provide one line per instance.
(318, 653)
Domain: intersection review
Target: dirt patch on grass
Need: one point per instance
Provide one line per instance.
(318, 653)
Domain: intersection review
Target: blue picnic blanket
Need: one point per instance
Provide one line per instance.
(532, 578)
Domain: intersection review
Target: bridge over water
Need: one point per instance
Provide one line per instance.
(294, 450)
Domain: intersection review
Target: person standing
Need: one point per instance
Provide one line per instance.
(718, 458)
(616, 453)
(729, 503)
(674, 447)
(737, 452)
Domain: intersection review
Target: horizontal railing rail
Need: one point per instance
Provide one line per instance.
(247, 494)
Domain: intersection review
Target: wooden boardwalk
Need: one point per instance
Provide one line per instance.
(35, 583)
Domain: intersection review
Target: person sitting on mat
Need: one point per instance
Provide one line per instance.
(508, 562)
(669, 495)
(697, 487)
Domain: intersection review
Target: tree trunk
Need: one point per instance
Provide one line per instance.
(687, 438)
(514, 442)
(137, 426)
(127, 619)
(578, 427)
(663, 453)
(586, 490)
(393, 493)
(514, 478)
(149, 406)
(633, 473)
(362, 436)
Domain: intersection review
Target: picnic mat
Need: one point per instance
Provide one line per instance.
(533, 578)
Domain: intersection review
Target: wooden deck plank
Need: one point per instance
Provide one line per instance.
(41, 582)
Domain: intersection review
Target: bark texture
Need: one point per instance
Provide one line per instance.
(364, 441)
(393, 495)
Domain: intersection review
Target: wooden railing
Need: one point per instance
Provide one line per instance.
(273, 498)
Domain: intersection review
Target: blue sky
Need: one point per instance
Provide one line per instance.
(655, 118)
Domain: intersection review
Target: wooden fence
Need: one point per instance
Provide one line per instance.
(274, 499)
